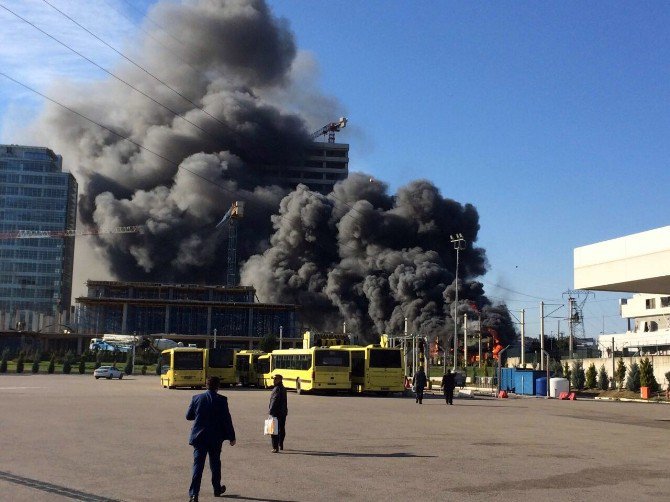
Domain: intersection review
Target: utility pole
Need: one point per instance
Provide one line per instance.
(459, 244)
(214, 337)
(281, 337)
(571, 324)
(480, 340)
(523, 338)
(465, 339)
(613, 369)
(542, 335)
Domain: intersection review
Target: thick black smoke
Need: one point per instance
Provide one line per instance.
(358, 255)
(372, 259)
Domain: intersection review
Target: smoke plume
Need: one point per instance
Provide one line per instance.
(359, 254)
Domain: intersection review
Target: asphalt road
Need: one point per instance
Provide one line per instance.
(70, 437)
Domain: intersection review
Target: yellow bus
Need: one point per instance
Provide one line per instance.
(376, 369)
(221, 363)
(245, 366)
(183, 367)
(262, 368)
(313, 369)
(190, 367)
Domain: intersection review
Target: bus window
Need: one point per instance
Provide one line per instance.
(166, 362)
(331, 358)
(188, 360)
(357, 363)
(380, 358)
(221, 358)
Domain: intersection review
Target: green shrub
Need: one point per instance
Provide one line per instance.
(144, 369)
(620, 373)
(158, 365)
(3, 361)
(667, 377)
(647, 378)
(603, 378)
(52, 364)
(633, 381)
(591, 374)
(578, 378)
(36, 365)
(567, 373)
(20, 362)
(128, 369)
(82, 365)
(97, 364)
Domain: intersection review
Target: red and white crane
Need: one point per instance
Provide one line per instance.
(330, 129)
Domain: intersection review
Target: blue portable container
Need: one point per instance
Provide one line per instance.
(541, 386)
(507, 379)
(524, 382)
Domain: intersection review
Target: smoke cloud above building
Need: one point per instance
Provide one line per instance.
(359, 254)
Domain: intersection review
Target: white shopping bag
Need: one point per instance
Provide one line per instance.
(271, 426)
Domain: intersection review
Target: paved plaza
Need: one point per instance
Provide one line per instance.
(70, 437)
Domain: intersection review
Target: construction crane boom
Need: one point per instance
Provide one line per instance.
(61, 234)
(330, 130)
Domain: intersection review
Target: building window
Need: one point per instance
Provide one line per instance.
(651, 303)
(665, 301)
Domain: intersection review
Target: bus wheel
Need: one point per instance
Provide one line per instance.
(298, 390)
(170, 386)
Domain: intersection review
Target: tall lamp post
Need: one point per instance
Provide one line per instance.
(459, 243)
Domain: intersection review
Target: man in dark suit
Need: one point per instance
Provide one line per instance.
(211, 427)
(279, 410)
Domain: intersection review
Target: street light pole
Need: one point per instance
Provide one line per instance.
(459, 243)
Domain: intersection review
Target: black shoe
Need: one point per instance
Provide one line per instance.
(220, 491)
(281, 447)
(193, 498)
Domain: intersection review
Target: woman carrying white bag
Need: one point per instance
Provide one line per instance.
(276, 423)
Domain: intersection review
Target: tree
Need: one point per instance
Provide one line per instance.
(36, 362)
(667, 378)
(82, 365)
(591, 374)
(52, 364)
(556, 368)
(647, 378)
(67, 363)
(20, 362)
(128, 370)
(3, 361)
(633, 381)
(158, 365)
(603, 378)
(620, 373)
(268, 343)
(578, 377)
(567, 373)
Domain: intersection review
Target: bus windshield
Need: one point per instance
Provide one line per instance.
(188, 361)
(380, 358)
(331, 358)
(221, 358)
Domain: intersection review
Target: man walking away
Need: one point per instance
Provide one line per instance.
(448, 386)
(419, 382)
(211, 427)
(279, 410)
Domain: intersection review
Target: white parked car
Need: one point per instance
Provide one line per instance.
(108, 372)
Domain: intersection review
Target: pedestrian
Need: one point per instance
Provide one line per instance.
(448, 385)
(278, 410)
(211, 427)
(419, 383)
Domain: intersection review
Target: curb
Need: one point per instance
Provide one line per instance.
(630, 400)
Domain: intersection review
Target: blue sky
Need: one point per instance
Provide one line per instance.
(552, 119)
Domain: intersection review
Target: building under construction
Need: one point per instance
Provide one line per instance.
(185, 312)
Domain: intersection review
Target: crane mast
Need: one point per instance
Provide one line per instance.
(330, 130)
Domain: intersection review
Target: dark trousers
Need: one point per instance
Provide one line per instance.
(199, 454)
(449, 396)
(278, 439)
(419, 395)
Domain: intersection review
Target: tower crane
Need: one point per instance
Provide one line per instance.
(330, 130)
(61, 234)
(235, 213)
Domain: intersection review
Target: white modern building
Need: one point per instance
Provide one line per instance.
(637, 263)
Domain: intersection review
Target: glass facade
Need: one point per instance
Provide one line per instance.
(35, 194)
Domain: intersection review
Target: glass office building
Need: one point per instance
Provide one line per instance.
(35, 195)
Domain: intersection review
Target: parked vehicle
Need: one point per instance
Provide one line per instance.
(108, 372)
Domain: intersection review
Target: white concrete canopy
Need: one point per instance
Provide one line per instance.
(637, 263)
